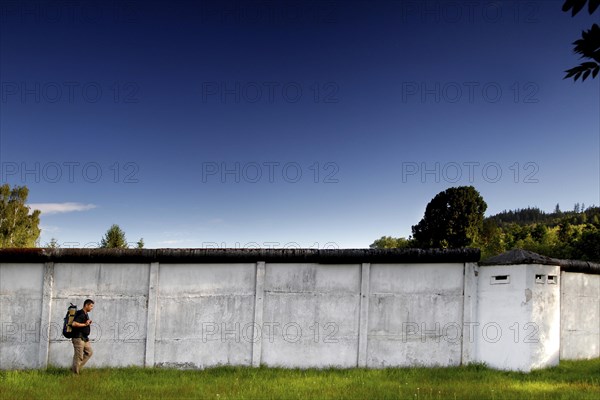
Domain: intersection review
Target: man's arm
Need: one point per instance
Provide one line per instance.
(80, 325)
(80, 320)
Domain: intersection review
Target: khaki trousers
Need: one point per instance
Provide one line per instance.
(82, 353)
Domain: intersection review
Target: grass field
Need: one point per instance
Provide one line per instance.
(569, 380)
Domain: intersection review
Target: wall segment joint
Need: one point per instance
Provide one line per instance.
(47, 285)
(469, 314)
(258, 311)
(364, 315)
(153, 290)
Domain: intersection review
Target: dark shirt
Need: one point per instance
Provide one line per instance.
(81, 316)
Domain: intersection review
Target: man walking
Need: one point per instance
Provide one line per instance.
(81, 342)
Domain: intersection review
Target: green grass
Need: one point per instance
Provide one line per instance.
(569, 380)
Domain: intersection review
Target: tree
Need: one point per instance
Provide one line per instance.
(539, 232)
(114, 238)
(453, 219)
(491, 240)
(588, 246)
(557, 209)
(589, 44)
(18, 227)
(140, 243)
(565, 232)
(388, 242)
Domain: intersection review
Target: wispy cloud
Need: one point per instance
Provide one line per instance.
(173, 242)
(59, 208)
(49, 228)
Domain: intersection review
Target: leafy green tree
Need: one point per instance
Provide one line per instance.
(18, 227)
(565, 232)
(453, 219)
(589, 44)
(140, 243)
(491, 240)
(114, 238)
(539, 232)
(588, 247)
(388, 242)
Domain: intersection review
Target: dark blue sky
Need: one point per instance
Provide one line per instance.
(321, 124)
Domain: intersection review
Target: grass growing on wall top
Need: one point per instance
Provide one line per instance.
(569, 380)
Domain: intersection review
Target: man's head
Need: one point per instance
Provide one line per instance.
(88, 305)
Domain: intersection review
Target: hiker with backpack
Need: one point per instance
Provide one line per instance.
(80, 336)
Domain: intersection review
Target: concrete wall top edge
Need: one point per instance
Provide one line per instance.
(226, 255)
(521, 257)
(585, 267)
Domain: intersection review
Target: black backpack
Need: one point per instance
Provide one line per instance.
(68, 322)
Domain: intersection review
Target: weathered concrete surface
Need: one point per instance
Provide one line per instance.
(470, 292)
(518, 317)
(580, 316)
(21, 286)
(259, 301)
(196, 308)
(311, 315)
(118, 331)
(203, 310)
(415, 315)
(363, 319)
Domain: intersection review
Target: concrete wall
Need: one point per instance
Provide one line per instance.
(120, 292)
(580, 316)
(299, 312)
(20, 314)
(415, 315)
(202, 315)
(314, 312)
(518, 316)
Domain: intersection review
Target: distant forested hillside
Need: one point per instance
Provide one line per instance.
(561, 234)
(533, 215)
(572, 234)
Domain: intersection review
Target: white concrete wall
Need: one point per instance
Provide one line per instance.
(120, 292)
(202, 315)
(580, 316)
(202, 312)
(518, 318)
(20, 314)
(313, 310)
(415, 315)
(299, 314)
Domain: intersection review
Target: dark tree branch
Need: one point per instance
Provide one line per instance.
(589, 44)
